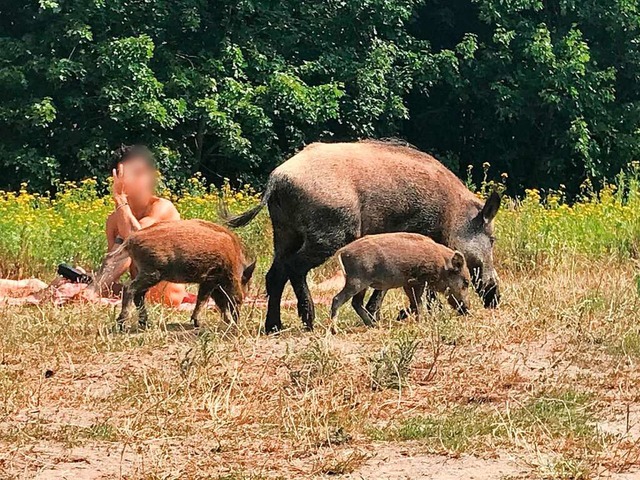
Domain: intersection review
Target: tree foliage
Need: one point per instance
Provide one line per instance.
(546, 91)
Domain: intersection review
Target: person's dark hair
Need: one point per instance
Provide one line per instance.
(126, 152)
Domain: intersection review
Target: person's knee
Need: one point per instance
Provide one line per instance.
(169, 295)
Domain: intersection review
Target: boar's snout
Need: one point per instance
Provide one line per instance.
(462, 309)
(460, 305)
(247, 275)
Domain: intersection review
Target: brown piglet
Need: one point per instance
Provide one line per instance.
(185, 251)
(408, 260)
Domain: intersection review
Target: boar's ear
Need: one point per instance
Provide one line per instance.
(247, 273)
(491, 207)
(456, 264)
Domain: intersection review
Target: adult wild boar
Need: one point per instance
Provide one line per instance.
(328, 195)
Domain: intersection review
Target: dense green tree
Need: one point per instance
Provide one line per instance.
(547, 91)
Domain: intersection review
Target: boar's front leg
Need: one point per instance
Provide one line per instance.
(415, 295)
(204, 292)
(228, 301)
(127, 308)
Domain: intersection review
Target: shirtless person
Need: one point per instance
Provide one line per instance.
(136, 207)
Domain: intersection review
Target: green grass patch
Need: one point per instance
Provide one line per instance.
(564, 415)
(626, 344)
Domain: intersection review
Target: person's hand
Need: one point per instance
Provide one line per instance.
(89, 293)
(119, 185)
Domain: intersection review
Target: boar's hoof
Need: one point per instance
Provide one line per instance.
(272, 329)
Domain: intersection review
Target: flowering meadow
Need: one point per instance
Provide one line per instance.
(38, 232)
(41, 231)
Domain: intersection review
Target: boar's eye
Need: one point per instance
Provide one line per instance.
(492, 239)
(465, 283)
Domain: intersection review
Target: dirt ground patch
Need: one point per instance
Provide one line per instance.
(546, 387)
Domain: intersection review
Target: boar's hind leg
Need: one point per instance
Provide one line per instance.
(285, 243)
(138, 300)
(134, 295)
(204, 292)
(275, 282)
(139, 288)
(298, 266)
(312, 254)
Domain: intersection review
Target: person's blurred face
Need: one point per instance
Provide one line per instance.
(140, 179)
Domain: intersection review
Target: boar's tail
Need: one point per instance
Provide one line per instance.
(341, 262)
(244, 218)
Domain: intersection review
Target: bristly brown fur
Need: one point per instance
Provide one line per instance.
(401, 260)
(188, 251)
(390, 142)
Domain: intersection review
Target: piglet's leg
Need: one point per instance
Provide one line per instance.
(127, 308)
(357, 304)
(340, 299)
(351, 288)
(431, 302)
(204, 292)
(228, 300)
(415, 295)
(432, 298)
(375, 303)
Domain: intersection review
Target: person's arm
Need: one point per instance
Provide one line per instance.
(112, 232)
(110, 271)
(124, 220)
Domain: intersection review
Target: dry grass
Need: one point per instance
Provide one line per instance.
(547, 386)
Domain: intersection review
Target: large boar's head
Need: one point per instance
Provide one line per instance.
(475, 240)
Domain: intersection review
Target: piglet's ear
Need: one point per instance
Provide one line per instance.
(456, 262)
(247, 273)
(491, 207)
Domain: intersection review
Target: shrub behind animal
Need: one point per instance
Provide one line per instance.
(185, 251)
(401, 260)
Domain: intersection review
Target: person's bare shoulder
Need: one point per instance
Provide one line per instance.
(163, 210)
